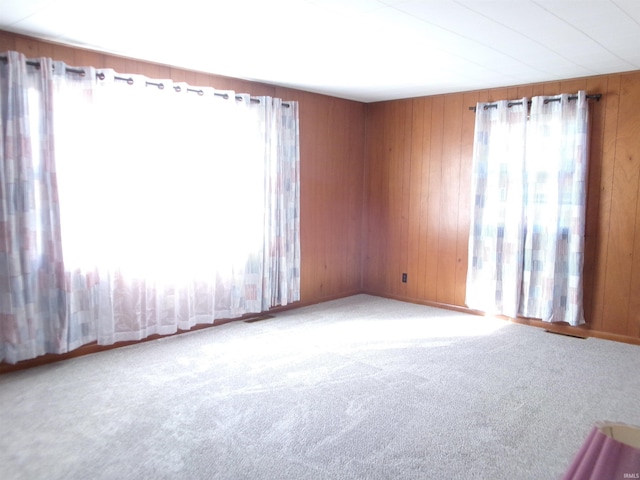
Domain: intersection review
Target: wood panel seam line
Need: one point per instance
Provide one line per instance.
(610, 193)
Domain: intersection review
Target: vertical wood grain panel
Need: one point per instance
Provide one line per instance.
(117, 63)
(512, 93)
(352, 172)
(7, 42)
(623, 212)
(415, 195)
(177, 75)
(394, 138)
(464, 200)
(330, 272)
(424, 131)
(374, 233)
(450, 198)
(607, 160)
(382, 195)
(66, 54)
(483, 96)
(310, 227)
(347, 201)
(85, 58)
(551, 88)
(434, 199)
(592, 273)
(572, 86)
(608, 199)
(32, 48)
(398, 145)
(525, 91)
(332, 172)
(630, 95)
(405, 173)
(496, 94)
(538, 90)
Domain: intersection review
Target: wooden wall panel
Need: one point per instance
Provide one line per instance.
(398, 192)
(450, 198)
(332, 173)
(417, 175)
(423, 158)
(621, 229)
(332, 163)
(374, 226)
(603, 123)
(440, 131)
(464, 198)
(434, 198)
(628, 211)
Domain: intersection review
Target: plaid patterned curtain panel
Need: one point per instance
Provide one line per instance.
(526, 243)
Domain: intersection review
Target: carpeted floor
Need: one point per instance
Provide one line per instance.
(357, 388)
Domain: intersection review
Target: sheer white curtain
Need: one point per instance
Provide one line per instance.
(496, 233)
(178, 204)
(526, 245)
(175, 207)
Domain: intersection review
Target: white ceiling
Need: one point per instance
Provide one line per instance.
(365, 50)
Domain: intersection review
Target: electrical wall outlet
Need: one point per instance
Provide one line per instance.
(404, 278)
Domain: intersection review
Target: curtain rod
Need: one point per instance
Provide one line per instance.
(177, 88)
(130, 81)
(595, 96)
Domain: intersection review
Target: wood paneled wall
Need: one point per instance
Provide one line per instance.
(417, 190)
(331, 170)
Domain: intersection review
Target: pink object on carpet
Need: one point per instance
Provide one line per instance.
(610, 452)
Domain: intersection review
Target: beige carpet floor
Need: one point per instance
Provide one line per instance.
(357, 388)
